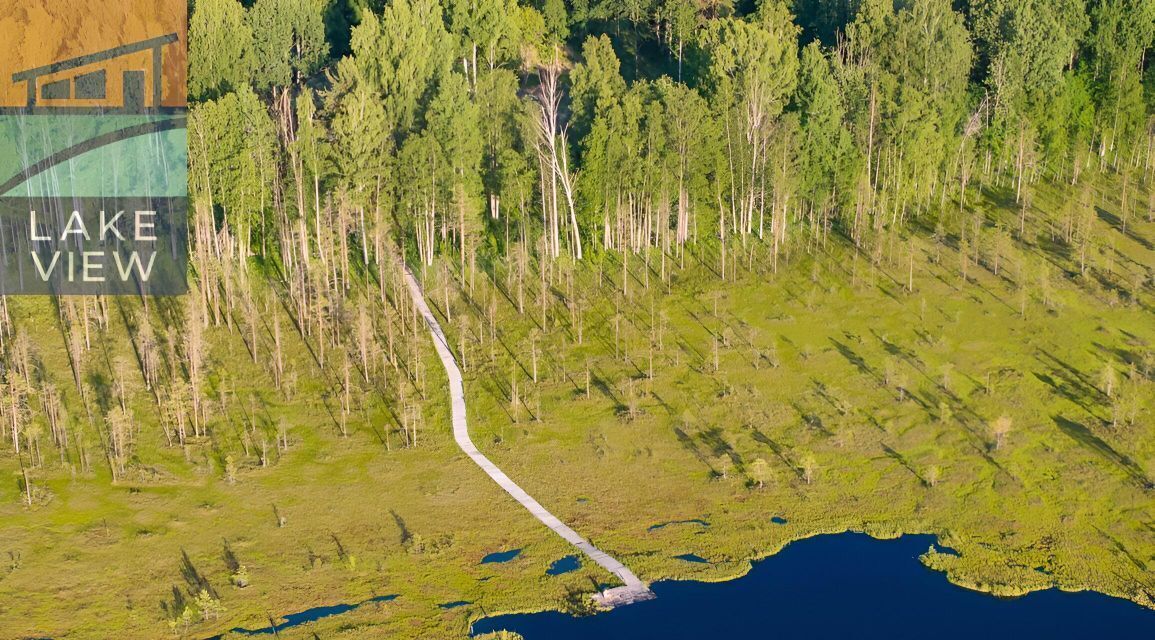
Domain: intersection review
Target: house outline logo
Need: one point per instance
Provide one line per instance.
(93, 85)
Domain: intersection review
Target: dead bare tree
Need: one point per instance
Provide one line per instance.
(553, 155)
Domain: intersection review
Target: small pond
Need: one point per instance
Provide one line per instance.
(564, 565)
(499, 557)
(690, 557)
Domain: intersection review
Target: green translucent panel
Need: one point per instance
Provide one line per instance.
(88, 159)
(153, 165)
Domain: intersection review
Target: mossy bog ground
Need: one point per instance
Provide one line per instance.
(840, 399)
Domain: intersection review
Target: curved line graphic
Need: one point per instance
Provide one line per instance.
(89, 145)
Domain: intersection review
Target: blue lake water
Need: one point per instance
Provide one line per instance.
(842, 586)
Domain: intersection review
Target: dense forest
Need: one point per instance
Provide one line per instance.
(505, 148)
(459, 128)
(465, 128)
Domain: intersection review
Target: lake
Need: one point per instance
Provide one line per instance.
(847, 585)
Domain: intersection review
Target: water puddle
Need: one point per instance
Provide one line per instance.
(455, 604)
(499, 557)
(308, 615)
(564, 565)
(663, 525)
(689, 557)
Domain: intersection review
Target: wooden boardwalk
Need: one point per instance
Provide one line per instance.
(634, 590)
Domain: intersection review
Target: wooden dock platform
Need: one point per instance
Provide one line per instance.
(622, 596)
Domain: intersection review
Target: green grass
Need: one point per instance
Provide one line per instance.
(829, 359)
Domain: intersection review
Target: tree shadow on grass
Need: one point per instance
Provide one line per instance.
(689, 445)
(858, 361)
(230, 558)
(1125, 356)
(893, 348)
(778, 451)
(193, 578)
(598, 382)
(402, 528)
(1081, 434)
(715, 439)
(811, 419)
(900, 459)
(1135, 560)
(1117, 224)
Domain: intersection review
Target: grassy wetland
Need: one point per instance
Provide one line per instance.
(860, 406)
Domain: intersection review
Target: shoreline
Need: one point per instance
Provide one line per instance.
(1002, 592)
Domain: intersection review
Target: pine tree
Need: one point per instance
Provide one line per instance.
(220, 48)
